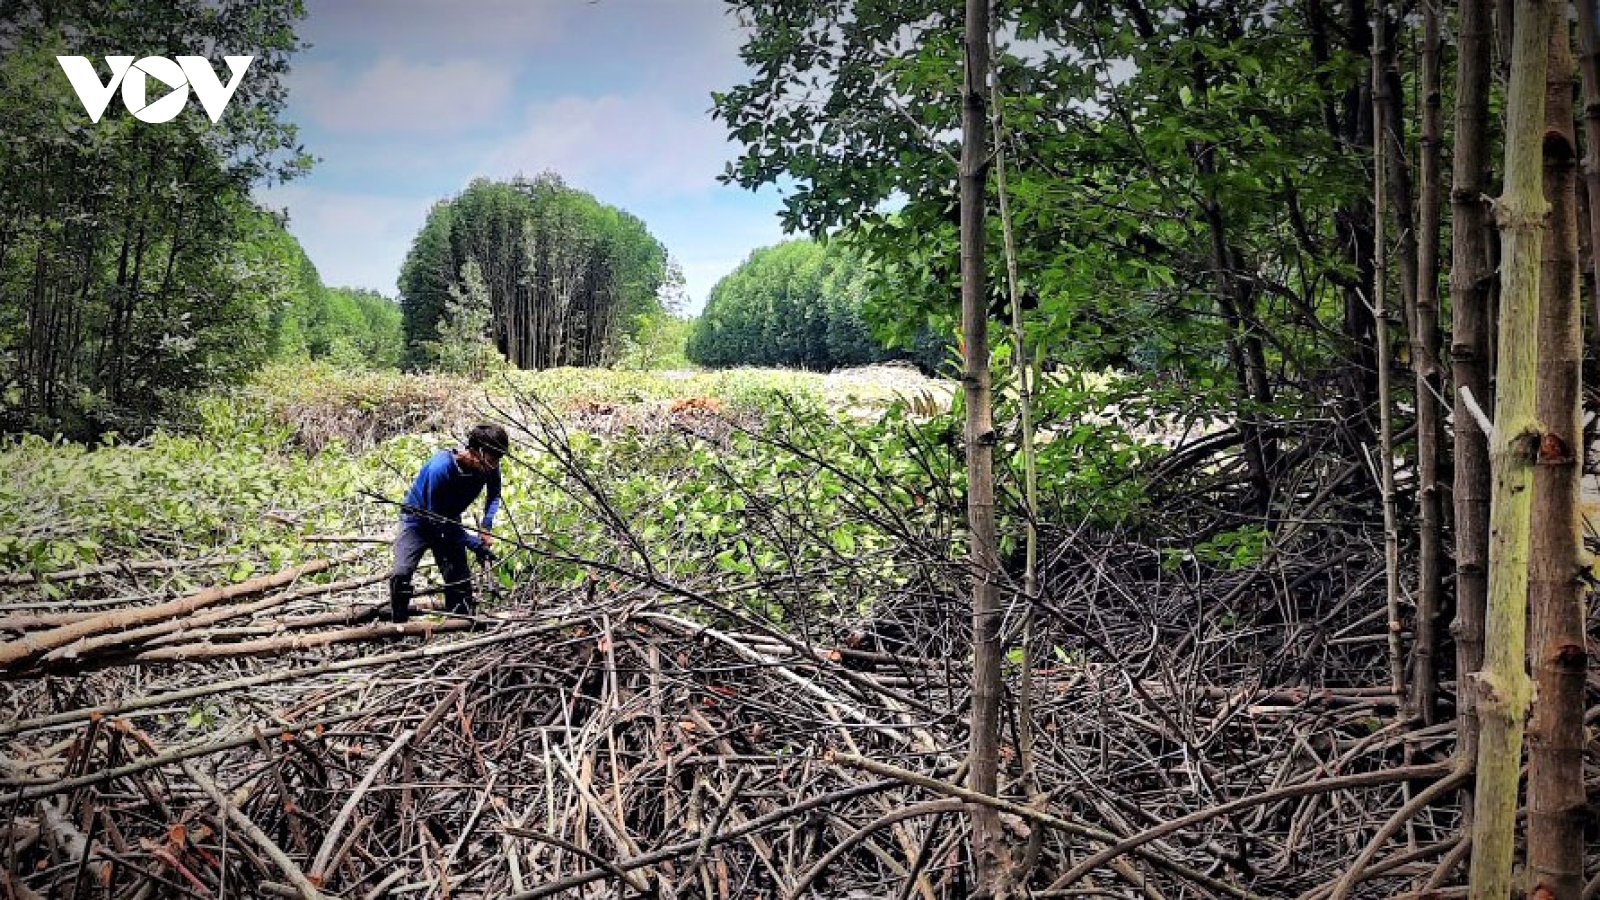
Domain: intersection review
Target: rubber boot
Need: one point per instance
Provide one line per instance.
(459, 601)
(400, 592)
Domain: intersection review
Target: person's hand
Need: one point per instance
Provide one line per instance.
(486, 538)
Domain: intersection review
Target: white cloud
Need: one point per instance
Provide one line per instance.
(419, 96)
(433, 25)
(640, 145)
(396, 95)
(355, 240)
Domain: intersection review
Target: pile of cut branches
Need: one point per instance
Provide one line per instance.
(670, 730)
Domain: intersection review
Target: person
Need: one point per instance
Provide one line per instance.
(430, 519)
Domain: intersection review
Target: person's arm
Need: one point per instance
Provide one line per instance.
(492, 503)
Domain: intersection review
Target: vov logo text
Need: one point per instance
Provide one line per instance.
(181, 75)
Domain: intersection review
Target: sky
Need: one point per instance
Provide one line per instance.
(404, 102)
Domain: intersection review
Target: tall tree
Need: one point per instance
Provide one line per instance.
(1503, 687)
(567, 276)
(1589, 64)
(1387, 188)
(1426, 338)
(989, 849)
(1471, 280)
(118, 291)
(1556, 802)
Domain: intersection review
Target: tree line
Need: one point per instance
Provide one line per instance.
(121, 279)
(136, 269)
(305, 320)
(798, 304)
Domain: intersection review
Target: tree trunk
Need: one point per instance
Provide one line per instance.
(1383, 179)
(1030, 492)
(1470, 280)
(1503, 686)
(1555, 734)
(988, 841)
(1425, 341)
(1589, 62)
(1353, 227)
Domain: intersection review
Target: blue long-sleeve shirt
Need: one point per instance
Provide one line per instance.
(444, 489)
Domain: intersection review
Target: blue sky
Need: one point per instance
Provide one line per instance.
(405, 101)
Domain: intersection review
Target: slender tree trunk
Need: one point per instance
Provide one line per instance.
(1425, 341)
(1383, 181)
(988, 841)
(1503, 685)
(1245, 350)
(1353, 225)
(1589, 62)
(1030, 484)
(1470, 281)
(1555, 734)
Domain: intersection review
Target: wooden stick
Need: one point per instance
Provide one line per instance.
(331, 839)
(189, 751)
(292, 642)
(1448, 783)
(153, 701)
(23, 649)
(296, 877)
(1040, 818)
(1303, 789)
(926, 808)
(561, 885)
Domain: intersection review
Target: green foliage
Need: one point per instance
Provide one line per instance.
(566, 276)
(63, 505)
(363, 329)
(348, 327)
(1186, 182)
(315, 405)
(1233, 550)
(796, 304)
(120, 291)
(309, 444)
(736, 390)
(658, 341)
(464, 347)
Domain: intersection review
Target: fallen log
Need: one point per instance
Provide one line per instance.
(154, 701)
(35, 621)
(289, 643)
(122, 639)
(26, 648)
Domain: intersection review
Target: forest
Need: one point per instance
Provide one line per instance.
(1155, 463)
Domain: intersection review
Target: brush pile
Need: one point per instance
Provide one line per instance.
(665, 731)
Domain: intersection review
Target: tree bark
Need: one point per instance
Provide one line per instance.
(25, 648)
(1589, 64)
(1425, 341)
(1470, 281)
(988, 840)
(1503, 686)
(1383, 182)
(1555, 734)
